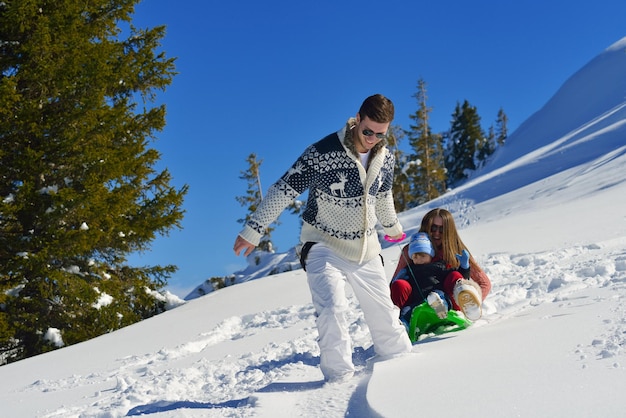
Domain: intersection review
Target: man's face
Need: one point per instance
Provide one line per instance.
(368, 133)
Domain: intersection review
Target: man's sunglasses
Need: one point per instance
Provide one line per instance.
(369, 132)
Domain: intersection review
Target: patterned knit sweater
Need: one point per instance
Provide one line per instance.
(345, 201)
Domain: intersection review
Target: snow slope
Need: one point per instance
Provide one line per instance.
(546, 220)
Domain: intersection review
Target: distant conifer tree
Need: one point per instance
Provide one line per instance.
(465, 140)
(401, 188)
(253, 197)
(502, 130)
(495, 138)
(425, 168)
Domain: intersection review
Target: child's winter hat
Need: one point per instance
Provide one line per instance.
(420, 243)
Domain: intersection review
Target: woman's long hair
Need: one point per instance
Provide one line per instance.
(451, 243)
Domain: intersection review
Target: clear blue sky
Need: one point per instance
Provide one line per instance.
(272, 77)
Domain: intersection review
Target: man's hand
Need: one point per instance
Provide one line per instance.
(242, 244)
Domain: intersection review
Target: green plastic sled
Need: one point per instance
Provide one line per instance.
(424, 320)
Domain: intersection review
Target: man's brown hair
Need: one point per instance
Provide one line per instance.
(378, 108)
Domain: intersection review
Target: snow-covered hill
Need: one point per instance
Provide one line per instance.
(546, 219)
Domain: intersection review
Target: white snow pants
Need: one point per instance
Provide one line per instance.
(326, 275)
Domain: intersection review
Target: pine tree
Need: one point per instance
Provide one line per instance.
(78, 187)
(253, 197)
(401, 187)
(495, 138)
(501, 128)
(486, 147)
(425, 169)
(465, 140)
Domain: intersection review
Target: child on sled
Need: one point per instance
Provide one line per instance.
(435, 282)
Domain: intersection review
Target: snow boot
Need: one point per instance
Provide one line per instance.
(468, 295)
(437, 300)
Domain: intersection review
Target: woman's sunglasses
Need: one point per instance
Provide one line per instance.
(434, 228)
(369, 132)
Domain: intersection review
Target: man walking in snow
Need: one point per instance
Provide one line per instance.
(349, 175)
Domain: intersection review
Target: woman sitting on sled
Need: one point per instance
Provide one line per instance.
(462, 293)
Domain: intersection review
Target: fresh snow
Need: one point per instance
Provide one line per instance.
(546, 218)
